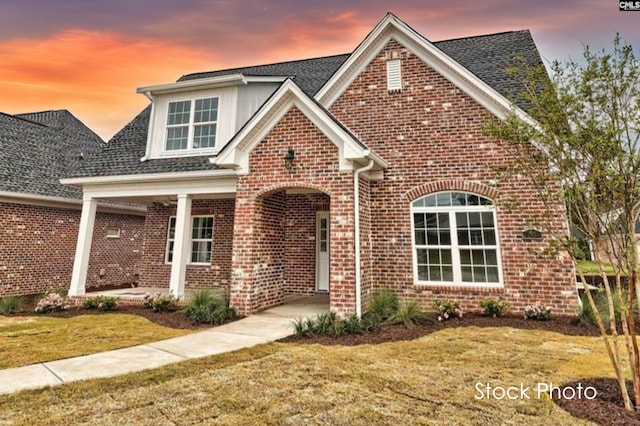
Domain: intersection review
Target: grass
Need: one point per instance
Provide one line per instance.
(426, 381)
(589, 267)
(29, 340)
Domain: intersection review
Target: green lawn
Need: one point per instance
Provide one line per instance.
(29, 340)
(588, 267)
(430, 380)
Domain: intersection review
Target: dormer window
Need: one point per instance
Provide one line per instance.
(192, 124)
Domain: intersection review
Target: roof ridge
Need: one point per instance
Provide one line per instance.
(484, 35)
(265, 65)
(17, 117)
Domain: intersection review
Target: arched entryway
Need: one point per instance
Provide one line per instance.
(282, 248)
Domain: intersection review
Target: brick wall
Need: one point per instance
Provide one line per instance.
(37, 248)
(154, 272)
(430, 133)
(316, 167)
(300, 241)
(115, 261)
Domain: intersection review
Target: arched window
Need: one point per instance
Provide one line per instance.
(455, 240)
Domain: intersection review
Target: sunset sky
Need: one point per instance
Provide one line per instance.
(89, 56)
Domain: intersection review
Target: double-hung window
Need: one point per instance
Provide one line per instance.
(201, 240)
(192, 124)
(455, 240)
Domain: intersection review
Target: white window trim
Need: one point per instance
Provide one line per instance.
(455, 248)
(113, 236)
(191, 240)
(191, 125)
(157, 135)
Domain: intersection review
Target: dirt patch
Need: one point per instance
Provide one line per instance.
(606, 409)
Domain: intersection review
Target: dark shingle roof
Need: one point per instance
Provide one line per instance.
(121, 156)
(308, 74)
(37, 149)
(67, 124)
(486, 56)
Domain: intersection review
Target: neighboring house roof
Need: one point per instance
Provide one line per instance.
(486, 56)
(37, 149)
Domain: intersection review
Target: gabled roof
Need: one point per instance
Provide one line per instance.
(37, 149)
(482, 82)
(288, 96)
(485, 58)
(66, 123)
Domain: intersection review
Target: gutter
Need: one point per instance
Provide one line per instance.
(356, 212)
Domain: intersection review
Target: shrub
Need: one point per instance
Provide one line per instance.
(324, 323)
(383, 305)
(50, 303)
(10, 305)
(408, 314)
(300, 328)
(494, 308)
(353, 325)
(205, 307)
(537, 311)
(447, 309)
(328, 324)
(159, 302)
(586, 316)
(101, 302)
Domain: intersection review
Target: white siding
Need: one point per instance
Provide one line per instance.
(250, 98)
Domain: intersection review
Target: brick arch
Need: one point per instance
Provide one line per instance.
(452, 185)
(288, 185)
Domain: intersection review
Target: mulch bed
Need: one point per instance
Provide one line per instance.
(393, 333)
(167, 319)
(606, 409)
(175, 319)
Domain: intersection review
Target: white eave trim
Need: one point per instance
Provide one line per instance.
(155, 177)
(61, 202)
(206, 83)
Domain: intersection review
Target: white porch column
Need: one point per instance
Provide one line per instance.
(83, 247)
(181, 246)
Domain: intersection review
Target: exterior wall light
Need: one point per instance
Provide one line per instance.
(288, 159)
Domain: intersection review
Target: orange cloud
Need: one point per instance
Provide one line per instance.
(92, 74)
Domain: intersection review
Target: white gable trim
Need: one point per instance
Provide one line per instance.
(236, 153)
(390, 27)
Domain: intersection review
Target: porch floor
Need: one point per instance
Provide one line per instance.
(294, 305)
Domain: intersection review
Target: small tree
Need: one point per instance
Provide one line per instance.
(586, 139)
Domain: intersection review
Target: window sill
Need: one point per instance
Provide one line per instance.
(190, 264)
(187, 153)
(458, 287)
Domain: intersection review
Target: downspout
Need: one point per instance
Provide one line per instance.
(356, 213)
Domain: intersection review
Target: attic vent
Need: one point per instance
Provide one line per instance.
(394, 78)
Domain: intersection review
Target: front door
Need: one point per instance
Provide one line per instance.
(322, 251)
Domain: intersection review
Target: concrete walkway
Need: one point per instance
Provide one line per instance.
(267, 326)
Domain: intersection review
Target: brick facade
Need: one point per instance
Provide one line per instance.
(300, 241)
(37, 248)
(431, 135)
(155, 272)
(258, 280)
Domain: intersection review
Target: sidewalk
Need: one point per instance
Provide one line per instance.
(265, 327)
